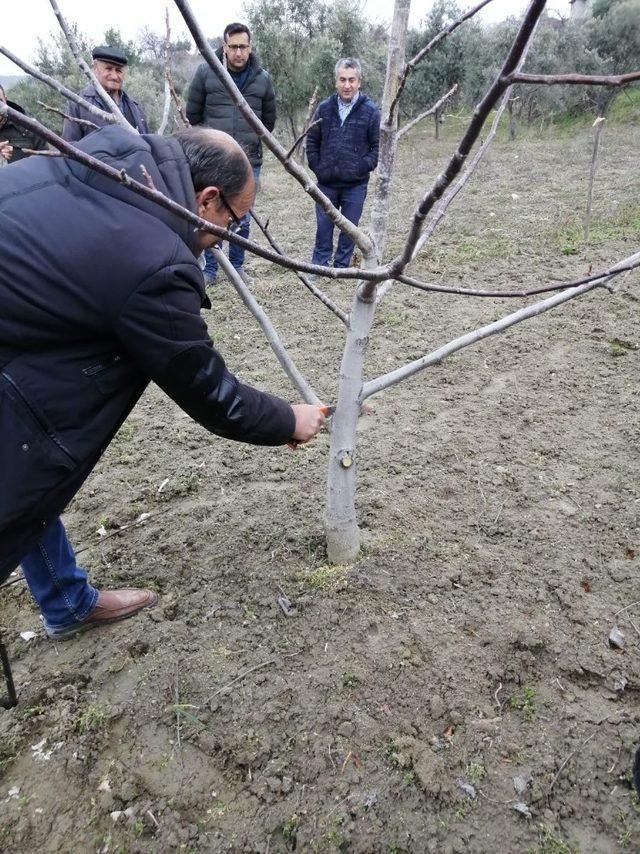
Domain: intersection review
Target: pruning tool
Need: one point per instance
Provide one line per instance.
(327, 411)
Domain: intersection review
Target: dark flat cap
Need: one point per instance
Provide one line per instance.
(109, 54)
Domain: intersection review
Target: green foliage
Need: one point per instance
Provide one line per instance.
(93, 719)
(476, 772)
(290, 827)
(524, 702)
(300, 41)
(444, 66)
(614, 33)
(548, 843)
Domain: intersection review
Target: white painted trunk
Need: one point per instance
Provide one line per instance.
(341, 525)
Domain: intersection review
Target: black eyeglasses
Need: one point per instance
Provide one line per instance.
(236, 221)
(241, 47)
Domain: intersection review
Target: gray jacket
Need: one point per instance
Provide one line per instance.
(209, 104)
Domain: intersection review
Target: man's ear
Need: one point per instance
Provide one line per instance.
(206, 197)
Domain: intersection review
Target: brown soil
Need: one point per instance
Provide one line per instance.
(498, 497)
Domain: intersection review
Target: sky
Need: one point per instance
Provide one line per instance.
(30, 19)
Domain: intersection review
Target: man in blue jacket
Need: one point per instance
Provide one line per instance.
(100, 293)
(342, 150)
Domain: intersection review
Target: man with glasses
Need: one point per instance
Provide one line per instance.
(81, 339)
(210, 104)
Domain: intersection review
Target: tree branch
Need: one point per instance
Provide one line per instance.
(472, 165)
(291, 151)
(178, 102)
(469, 338)
(304, 279)
(376, 274)
(472, 133)
(58, 87)
(405, 128)
(273, 339)
(107, 100)
(313, 100)
(409, 67)
(574, 79)
(545, 289)
(359, 237)
(167, 69)
(387, 149)
(51, 109)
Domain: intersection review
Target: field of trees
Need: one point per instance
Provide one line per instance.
(299, 41)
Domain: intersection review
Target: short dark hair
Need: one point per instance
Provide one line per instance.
(223, 166)
(232, 29)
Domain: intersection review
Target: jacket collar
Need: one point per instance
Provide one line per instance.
(362, 99)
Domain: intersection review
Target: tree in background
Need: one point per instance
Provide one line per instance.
(614, 33)
(299, 41)
(448, 65)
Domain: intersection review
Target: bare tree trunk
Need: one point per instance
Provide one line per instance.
(599, 125)
(167, 76)
(512, 118)
(313, 102)
(294, 129)
(389, 126)
(341, 527)
(436, 120)
(437, 106)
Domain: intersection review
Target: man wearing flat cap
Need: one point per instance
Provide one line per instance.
(109, 65)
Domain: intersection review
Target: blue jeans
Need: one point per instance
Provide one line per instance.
(349, 201)
(57, 583)
(236, 253)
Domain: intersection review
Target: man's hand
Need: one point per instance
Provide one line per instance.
(309, 419)
(6, 150)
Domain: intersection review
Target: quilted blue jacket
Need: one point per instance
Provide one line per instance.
(343, 155)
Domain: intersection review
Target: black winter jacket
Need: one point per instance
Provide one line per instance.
(210, 104)
(130, 109)
(100, 292)
(19, 137)
(344, 155)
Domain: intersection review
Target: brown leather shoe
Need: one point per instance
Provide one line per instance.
(112, 605)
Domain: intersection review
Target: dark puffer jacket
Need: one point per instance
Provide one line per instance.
(130, 109)
(210, 104)
(344, 155)
(19, 137)
(100, 292)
